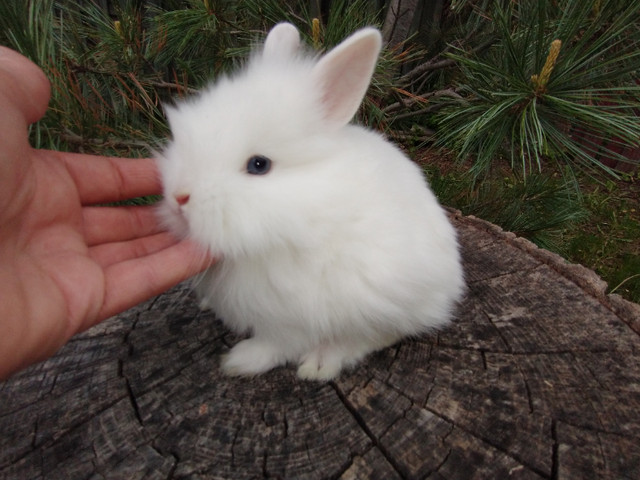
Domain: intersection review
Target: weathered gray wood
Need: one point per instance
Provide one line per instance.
(538, 378)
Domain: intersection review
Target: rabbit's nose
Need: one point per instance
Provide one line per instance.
(182, 198)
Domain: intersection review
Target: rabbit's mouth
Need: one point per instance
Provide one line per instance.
(173, 218)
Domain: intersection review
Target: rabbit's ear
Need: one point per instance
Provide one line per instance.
(343, 75)
(283, 41)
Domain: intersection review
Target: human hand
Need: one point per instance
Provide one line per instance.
(65, 263)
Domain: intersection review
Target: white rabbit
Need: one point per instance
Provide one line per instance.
(331, 244)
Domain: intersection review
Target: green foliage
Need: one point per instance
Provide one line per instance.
(609, 242)
(200, 40)
(534, 100)
(100, 103)
(111, 71)
(539, 209)
(599, 228)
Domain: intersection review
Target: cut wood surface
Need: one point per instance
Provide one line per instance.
(539, 377)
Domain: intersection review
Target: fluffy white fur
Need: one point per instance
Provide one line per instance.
(341, 248)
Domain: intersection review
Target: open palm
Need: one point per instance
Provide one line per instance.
(65, 263)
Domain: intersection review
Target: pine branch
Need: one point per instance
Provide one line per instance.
(73, 138)
(435, 63)
(401, 104)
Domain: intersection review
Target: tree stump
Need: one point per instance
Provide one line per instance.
(538, 378)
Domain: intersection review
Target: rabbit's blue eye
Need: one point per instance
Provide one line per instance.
(258, 165)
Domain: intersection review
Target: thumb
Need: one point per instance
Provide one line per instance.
(23, 84)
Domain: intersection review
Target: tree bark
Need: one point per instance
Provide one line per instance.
(399, 21)
(539, 377)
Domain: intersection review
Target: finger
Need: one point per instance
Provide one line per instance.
(108, 254)
(117, 224)
(110, 179)
(130, 282)
(23, 84)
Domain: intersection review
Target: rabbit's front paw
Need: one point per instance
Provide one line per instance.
(251, 357)
(321, 365)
